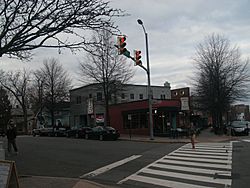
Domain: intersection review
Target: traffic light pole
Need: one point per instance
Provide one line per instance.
(149, 84)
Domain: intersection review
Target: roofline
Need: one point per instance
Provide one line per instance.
(123, 84)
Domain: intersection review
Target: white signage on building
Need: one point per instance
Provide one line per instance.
(90, 106)
(184, 103)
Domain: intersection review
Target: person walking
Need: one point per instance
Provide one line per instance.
(192, 135)
(11, 136)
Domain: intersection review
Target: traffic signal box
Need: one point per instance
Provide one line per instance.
(121, 44)
(137, 57)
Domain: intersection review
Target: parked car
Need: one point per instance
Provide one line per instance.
(77, 132)
(59, 131)
(239, 128)
(42, 131)
(102, 133)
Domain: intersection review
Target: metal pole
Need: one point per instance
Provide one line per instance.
(149, 85)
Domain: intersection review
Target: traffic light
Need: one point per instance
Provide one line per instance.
(137, 57)
(121, 44)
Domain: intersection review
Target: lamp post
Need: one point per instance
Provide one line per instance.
(149, 85)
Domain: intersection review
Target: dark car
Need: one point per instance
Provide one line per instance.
(102, 133)
(59, 131)
(45, 131)
(77, 132)
(239, 128)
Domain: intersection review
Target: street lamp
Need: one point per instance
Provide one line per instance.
(149, 85)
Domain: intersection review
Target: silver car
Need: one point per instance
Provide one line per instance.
(239, 128)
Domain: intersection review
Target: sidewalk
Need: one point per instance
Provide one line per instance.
(205, 136)
(55, 182)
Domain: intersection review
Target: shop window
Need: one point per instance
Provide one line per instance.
(99, 96)
(138, 120)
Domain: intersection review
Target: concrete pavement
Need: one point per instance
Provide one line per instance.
(55, 182)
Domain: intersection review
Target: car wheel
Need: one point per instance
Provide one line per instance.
(101, 137)
(56, 134)
(67, 135)
(86, 136)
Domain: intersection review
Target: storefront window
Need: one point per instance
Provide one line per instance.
(138, 120)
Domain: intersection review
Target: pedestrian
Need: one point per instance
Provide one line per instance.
(192, 135)
(11, 136)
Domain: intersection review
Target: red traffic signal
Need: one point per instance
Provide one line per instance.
(121, 44)
(137, 57)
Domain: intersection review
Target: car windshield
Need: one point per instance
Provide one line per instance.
(239, 123)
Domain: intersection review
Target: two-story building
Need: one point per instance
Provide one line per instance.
(128, 108)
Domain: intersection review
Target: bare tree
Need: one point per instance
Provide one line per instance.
(5, 109)
(221, 78)
(17, 84)
(29, 24)
(107, 68)
(56, 85)
(37, 97)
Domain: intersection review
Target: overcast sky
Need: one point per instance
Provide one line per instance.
(174, 29)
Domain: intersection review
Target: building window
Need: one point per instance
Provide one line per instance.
(123, 95)
(175, 93)
(182, 92)
(99, 96)
(138, 120)
(132, 96)
(78, 100)
(141, 96)
(163, 97)
(90, 95)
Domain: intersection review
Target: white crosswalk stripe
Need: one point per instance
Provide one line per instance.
(208, 165)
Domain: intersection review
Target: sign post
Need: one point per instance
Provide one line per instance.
(130, 118)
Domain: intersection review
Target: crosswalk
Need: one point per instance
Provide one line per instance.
(208, 165)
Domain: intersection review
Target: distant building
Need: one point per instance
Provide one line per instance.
(87, 102)
(17, 116)
(239, 112)
(183, 95)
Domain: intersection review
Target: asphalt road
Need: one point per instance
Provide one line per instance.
(64, 157)
(241, 165)
(68, 157)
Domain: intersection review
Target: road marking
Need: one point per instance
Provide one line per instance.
(188, 176)
(110, 166)
(201, 152)
(207, 150)
(209, 163)
(192, 169)
(164, 183)
(207, 147)
(202, 156)
(198, 160)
